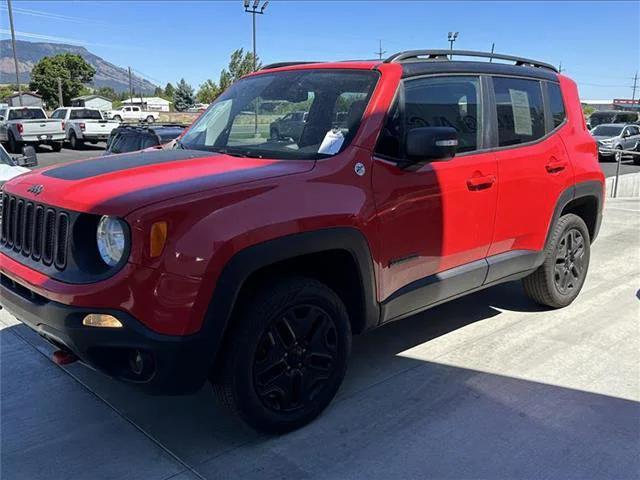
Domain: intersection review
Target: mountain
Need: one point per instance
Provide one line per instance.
(29, 53)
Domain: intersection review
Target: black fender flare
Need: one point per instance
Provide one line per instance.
(592, 188)
(251, 259)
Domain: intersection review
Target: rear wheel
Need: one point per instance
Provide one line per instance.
(73, 141)
(286, 356)
(274, 134)
(557, 282)
(150, 119)
(13, 145)
(56, 146)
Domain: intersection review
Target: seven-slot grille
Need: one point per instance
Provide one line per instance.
(34, 230)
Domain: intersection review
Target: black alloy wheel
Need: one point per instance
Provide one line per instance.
(569, 267)
(295, 358)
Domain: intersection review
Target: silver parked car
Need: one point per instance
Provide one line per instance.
(615, 136)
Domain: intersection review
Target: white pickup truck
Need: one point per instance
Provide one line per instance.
(84, 125)
(132, 113)
(13, 166)
(29, 125)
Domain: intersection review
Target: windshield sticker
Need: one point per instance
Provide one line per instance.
(522, 122)
(332, 142)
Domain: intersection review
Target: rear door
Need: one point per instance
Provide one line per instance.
(533, 164)
(438, 216)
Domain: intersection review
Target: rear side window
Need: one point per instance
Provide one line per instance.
(556, 105)
(520, 110)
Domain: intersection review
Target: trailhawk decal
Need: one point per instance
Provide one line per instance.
(103, 165)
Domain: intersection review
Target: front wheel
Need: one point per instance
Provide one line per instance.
(150, 119)
(286, 356)
(117, 118)
(557, 282)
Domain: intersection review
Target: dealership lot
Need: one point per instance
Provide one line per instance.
(489, 386)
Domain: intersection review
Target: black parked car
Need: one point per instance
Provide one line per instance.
(130, 138)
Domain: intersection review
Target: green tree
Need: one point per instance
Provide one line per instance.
(587, 110)
(72, 70)
(183, 97)
(241, 64)
(158, 92)
(108, 92)
(169, 90)
(208, 92)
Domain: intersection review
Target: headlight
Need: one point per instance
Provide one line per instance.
(111, 239)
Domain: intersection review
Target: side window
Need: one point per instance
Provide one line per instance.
(520, 110)
(3, 114)
(634, 130)
(556, 105)
(446, 102)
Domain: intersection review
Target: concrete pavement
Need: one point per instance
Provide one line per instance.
(488, 386)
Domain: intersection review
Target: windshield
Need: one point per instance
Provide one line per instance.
(85, 114)
(302, 114)
(607, 131)
(5, 158)
(26, 114)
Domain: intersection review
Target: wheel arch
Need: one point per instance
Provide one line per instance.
(312, 253)
(585, 199)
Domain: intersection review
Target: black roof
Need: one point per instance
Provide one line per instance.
(425, 67)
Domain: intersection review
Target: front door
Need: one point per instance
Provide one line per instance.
(435, 219)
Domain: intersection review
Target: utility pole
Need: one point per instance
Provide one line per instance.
(635, 84)
(15, 55)
(493, 47)
(452, 37)
(130, 87)
(60, 101)
(380, 52)
(254, 10)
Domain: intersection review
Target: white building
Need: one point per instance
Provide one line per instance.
(149, 103)
(92, 101)
(29, 99)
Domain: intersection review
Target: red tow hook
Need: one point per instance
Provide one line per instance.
(63, 357)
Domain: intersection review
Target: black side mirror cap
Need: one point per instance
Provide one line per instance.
(424, 144)
(29, 157)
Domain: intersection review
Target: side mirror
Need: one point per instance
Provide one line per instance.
(1, 118)
(29, 157)
(431, 144)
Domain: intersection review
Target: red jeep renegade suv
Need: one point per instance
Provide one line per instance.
(250, 258)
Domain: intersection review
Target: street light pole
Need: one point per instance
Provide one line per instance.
(15, 55)
(452, 38)
(255, 9)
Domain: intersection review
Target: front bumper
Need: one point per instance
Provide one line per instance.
(175, 364)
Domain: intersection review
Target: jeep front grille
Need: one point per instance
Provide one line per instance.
(34, 230)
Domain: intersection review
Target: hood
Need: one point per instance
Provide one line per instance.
(119, 184)
(599, 138)
(7, 172)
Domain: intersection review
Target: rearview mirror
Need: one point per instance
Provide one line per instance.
(28, 158)
(431, 144)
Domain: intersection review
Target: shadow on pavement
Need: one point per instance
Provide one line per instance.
(395, 417)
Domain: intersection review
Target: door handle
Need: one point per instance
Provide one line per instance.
(481, 182)
(555, 166)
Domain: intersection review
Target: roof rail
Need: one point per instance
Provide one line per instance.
(446, 54)
(284, 64)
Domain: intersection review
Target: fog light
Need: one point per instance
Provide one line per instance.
(100, 320)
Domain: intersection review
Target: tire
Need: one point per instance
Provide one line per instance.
(117, 118)
(558, 281)
(74, 142)
(291, 335)
(13, 145)
(150, 119)
(617, 156)
(56, 146)
(274, 134)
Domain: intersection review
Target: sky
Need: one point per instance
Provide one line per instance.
(164, 41)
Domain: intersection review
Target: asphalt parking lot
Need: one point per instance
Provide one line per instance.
(46, 158)
(488, 386)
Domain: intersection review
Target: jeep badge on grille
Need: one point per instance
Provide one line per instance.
(36, 189)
